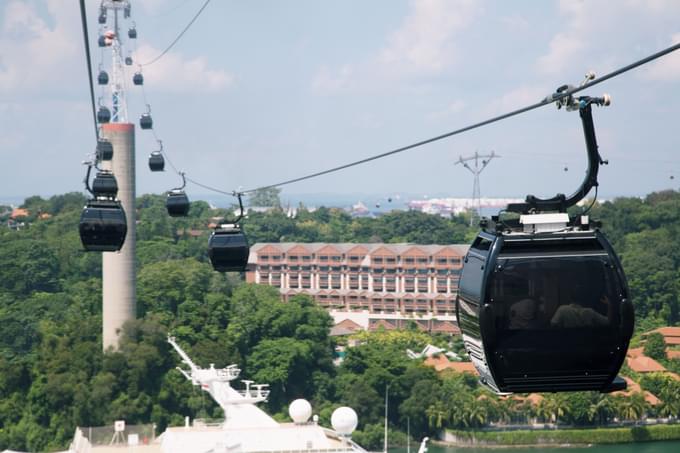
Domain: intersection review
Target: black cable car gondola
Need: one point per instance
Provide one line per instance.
(104, 149)
(177, 203)
(102, 16)
(543, 303)
(138, 78)
(103, 114)
(156, 159)
(132, 32)
(103, 77)
(102, 41)
(103, 224)
(228, 248)
(145, 121)
(105, 185)
(128, 60)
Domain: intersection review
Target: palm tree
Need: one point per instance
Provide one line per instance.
(602, 410)
(436, 414)
(632, 407)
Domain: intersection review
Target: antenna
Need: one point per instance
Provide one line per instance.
(476, 171)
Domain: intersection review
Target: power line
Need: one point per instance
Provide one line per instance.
(83, 18)
(548, 100)
(178, 36)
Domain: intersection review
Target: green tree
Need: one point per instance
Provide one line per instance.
(655, 346)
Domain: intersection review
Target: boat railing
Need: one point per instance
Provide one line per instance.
(254, 393)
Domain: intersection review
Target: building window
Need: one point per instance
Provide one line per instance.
(377, 260)
(422, 260)
(336, 268)
(306, 283)
(336, 258)
(276, 257)
(354, 269)
(306, 258)
(409, 260)
(323, 268)
(454, 260)
(442, 271)
(323, 257)
(263, 257)
(354, 258)
(390, 260)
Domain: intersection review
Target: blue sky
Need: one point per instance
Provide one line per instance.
(262, 91)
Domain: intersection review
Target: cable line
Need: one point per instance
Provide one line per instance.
(548, 100)
(83, 17)
(178, 36)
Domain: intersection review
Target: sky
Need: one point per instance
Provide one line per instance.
(257, 92)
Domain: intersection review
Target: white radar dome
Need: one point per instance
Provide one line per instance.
(344, 420)
(300, 410)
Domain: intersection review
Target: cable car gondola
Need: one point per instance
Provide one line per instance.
(103, 77)
(138, 78)
(228, 247)
(145, 121)
(105, 185)
(177, 203)
(104, 149)
(156, 159)
(103, 115)
(128, 60)
(103, 224)
(543, 303)
(132, 32)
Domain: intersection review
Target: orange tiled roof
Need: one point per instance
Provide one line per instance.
(635, 352)
(644, 364)
(19, 212)
(463, 367)
(673, 354)
(634, 387)
(667, 331)
(439, 362)
(672, 340)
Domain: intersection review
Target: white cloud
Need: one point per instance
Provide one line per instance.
(668, 67)
(424, 42)
(423, 45)
(34, 54)
(175, 73)
(43, 56)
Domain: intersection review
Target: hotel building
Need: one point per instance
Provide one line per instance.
(373, 285)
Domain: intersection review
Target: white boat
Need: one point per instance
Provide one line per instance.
(245, 429)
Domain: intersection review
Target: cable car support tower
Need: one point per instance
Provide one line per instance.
(118, 268)
(476, 171)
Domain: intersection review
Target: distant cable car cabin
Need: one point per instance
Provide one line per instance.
(156, 161)
(102, 17)
(228, 247)
(103, 78)
(132, 32)
(105, 185)
(104, 149)
(128, 60)
(102, 41)
(138, 78)
(103, 115)
(177, 203)
(103, 226)
(543, 303)
(145, 121)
